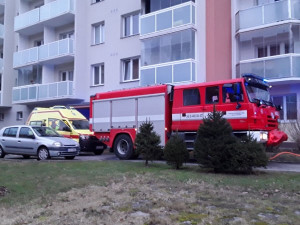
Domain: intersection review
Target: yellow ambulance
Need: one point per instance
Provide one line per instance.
(68, 122)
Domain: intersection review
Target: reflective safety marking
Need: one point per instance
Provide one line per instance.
(122, 119)
(242, 114)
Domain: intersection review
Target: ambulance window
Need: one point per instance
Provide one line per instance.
(191, 97)
(35, 123)
(212, 95)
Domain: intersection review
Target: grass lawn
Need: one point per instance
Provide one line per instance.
(119, 192)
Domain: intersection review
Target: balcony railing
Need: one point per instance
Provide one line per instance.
(268, 13)
(43, 92)
(2, 31)
(45, 52)
(168, 18)
(275, 67)
(45, 12)
(174, 72)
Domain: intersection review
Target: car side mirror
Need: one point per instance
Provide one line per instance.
(67, 129)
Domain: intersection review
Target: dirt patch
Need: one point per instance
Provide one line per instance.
(3, 191)
(143, 199)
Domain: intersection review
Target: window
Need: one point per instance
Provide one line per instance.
(57, 124)
(98, 74)
(191, 97)
(66, 35)
(38, 43)
(36, 123)
(1, 116)
(19, 115)
(131, 25)
(229, 94)
(289, 106)
(212, 95)
(154, 5)
(98, 33)
(66, 75)
(10, 132)
(130, 69)
(25, 132)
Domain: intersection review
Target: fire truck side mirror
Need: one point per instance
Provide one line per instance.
(278, 107)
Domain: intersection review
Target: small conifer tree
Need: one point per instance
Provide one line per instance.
(147, 142)
(175, 151)
(216, 147)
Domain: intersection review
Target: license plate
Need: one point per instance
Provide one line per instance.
(72, 150)
(99, 147)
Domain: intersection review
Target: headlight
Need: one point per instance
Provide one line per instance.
(264, 136)
(57, 144)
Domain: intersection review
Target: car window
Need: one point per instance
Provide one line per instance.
(45, 132)
(25, 132)
(10, 132)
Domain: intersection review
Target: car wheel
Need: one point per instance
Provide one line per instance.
(69, 157)
(43, 153)
(2, 153)
(98, 152)
(26, 156)
(123, 147)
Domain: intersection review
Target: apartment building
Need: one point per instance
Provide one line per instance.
(59, 52)
(267, 43)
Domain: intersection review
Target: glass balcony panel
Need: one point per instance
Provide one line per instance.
(148, 24)
(276, 12)
(53, 90)
(277, 68)
(1, 64)
(62, 88)
(43, 91)
(16, 95)
(24, 94)
(54, 9)
(71, 88)
(33, 54)
(164, 20)
(252, 67)
(43, 52)
(182, 72)
(32, 93)
(63, 46)
(251, 17)
(193, 72)
(147, 77)
(296, 66)
(53, 49)
(193, 15)
(1, 31)
(164, 75)
(27, 19)
(295, 9)
(182, 16)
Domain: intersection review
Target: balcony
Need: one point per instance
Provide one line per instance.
(283, 67)
(279, 11)
(175, 72)
(57, 52)
(43, 92)
(1, 32)
(55, 14)
(173, 17)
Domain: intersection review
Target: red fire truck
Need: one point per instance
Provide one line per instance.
(245, 102)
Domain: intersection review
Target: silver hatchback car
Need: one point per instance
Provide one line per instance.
(43, 142)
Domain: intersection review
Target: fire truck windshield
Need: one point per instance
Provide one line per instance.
(257, 93)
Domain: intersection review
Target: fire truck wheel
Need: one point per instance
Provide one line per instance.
(123, 147)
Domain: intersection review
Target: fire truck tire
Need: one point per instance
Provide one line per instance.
(123, 147)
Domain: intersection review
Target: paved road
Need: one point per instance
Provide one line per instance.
(272, 166)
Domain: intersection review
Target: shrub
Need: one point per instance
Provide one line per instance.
(147, 142)
(216, 147)
(175, 151)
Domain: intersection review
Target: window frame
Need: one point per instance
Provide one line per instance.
(69, 74)
(101, 74)
(20, 115)
(131, 24)
(123, 69)
(101, 26)
(284, 107)
(211, 95)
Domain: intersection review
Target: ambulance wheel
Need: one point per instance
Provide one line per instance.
(123, 147)
(98, 152)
